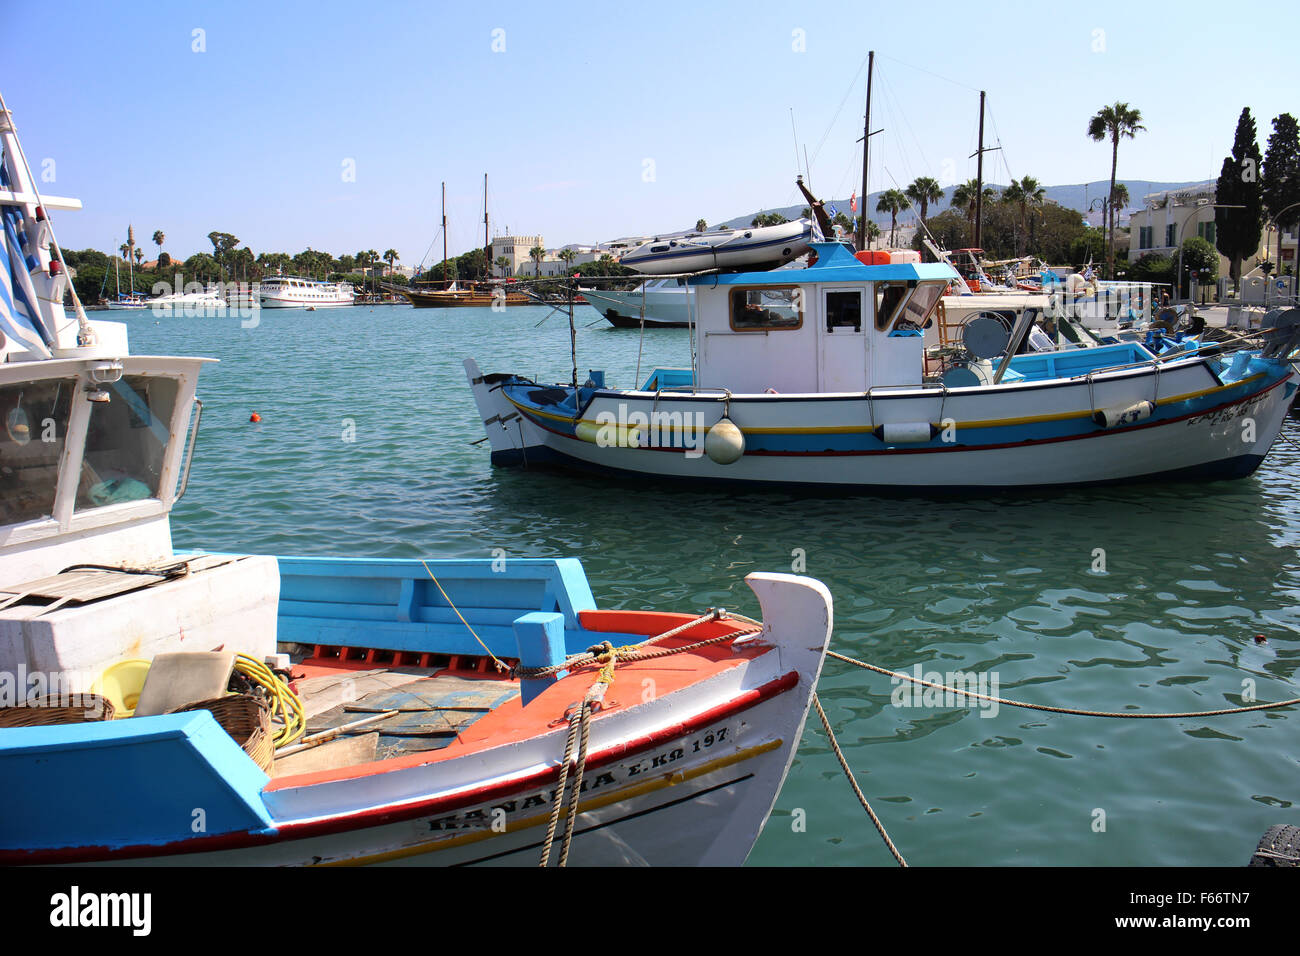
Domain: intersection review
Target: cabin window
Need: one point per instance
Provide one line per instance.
(844, 311)
(889, 296)
(33, 428)
(921, 305)
(772, 307)
(127, 441)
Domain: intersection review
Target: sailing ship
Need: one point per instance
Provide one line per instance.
(123, 301)
(476, 295)
(323, 711)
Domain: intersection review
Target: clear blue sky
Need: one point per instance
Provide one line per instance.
(251, 135)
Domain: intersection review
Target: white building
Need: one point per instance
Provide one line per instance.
(1167, 218)
(517, 249)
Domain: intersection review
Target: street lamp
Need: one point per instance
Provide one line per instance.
(1197, 207)
(1275, 221)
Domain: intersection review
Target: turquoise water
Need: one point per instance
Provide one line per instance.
(1004, 586)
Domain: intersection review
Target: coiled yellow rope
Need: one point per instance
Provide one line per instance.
(286, 708)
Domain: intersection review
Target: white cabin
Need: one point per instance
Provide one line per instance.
(838, 326)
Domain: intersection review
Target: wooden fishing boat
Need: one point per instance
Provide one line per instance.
(817, 377)
(206, 709)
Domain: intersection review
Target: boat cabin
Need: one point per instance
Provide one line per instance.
(837, 326)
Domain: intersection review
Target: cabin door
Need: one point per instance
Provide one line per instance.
(842, 333)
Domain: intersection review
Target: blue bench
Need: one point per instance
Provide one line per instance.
(523, 608)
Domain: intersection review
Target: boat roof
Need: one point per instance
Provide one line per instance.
(835, 263)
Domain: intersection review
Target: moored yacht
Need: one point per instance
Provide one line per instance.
(292, 292)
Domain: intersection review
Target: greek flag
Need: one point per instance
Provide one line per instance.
(20, 317)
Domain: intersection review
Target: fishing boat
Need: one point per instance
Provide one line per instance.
(192, 708)
(817, 378)
(295, 292)
(663, 302)
(761, 247)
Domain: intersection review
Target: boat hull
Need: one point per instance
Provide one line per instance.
(623, 309)
(1202, 430)
(685, 773)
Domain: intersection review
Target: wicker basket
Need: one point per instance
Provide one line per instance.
(62, 709)
(247, 719)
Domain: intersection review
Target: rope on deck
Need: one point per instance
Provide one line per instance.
(609, 657)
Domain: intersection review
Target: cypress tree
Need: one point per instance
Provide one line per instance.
(1237, 231)
(1281, 179)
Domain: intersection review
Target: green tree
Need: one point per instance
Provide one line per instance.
(391, 256)
(1152, 267)
(964, 197)
(1089, 247)
(701, 225)
(767, 219)
(893, 201)
(1023, 194)
(222, 243)
(1116, 122)
(1281, 180)
(1237, 231)
(503, 263)
(158, 240)
(536, 253)
(568, 255)
(1199, 259)
(924, 191)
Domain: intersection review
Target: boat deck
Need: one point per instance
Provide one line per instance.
(434, 705)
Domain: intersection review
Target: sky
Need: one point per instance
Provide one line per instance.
(332, 125)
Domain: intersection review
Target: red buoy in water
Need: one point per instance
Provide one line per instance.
(254, 417)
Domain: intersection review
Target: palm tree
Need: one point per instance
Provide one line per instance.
(1114, 122)
(873, 231)
(139, 257)
(701, 225)
(158, 240)
(391, 256)
(536, 253)
(1120, 198)
(503, 263)
(923, 191)
(568, 255)
(965, 195)
(893, 201)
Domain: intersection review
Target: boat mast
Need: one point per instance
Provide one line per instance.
(866, 151)
(487, 246)
(979, 179)
(444, 236)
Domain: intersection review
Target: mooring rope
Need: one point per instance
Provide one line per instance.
(853, 782)
(1136, 714)
(635, 652)
(609, 657)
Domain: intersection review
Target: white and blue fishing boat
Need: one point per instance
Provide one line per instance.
(198, 709)
(816, 378)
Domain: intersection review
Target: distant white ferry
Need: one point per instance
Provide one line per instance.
(290, 292)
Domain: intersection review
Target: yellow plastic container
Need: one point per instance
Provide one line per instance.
(121, 683)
